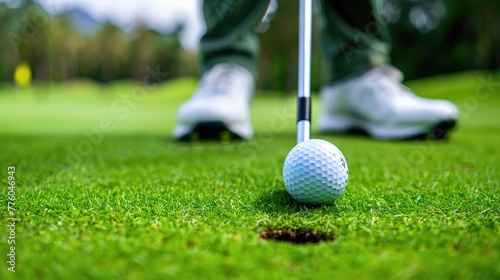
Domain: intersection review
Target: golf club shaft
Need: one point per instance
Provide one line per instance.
(304, 87)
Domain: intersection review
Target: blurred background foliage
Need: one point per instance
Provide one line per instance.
(429, 37)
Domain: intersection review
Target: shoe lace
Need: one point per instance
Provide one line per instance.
(394, 78)
(220, 80)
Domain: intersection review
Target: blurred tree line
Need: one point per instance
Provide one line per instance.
(58, 50)
(429, 37)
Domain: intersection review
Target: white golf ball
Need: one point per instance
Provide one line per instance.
(315, 172)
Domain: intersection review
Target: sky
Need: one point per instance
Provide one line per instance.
(158, 14)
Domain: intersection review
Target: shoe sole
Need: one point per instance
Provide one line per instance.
(439, 132)
(386, 132)
(213, 130)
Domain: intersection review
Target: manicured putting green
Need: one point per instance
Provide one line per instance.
(103, 192)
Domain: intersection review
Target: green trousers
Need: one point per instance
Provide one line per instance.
(354, 38)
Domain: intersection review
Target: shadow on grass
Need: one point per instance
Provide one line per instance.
(280, 202)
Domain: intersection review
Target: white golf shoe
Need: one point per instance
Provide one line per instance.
(377, 104)
(219, 107)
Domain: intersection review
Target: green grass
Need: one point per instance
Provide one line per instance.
(137, 205)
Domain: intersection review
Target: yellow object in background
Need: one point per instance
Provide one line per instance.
(22, 74)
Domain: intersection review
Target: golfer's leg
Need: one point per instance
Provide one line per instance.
(230, 33)
(360, 95)
(353, 37)
(228, 64)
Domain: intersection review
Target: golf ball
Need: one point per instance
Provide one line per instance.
(315, 172)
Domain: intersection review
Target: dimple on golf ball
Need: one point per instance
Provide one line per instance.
(315, 172)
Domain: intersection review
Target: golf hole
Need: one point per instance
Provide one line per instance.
(296, 236)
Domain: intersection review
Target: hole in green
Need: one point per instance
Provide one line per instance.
(296, 236)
